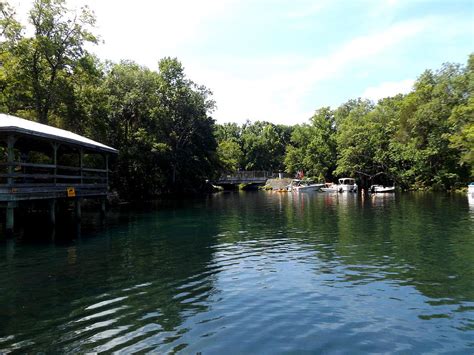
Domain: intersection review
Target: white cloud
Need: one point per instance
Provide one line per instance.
(144, 30)
(388, 89)
(272, 87)
(279, 93)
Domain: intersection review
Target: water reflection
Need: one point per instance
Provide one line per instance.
(470, 200)
(105, 293)
(253, 272)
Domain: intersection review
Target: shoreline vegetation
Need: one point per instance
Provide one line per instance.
(161, 123)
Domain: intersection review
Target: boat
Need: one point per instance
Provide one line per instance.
(303, 186)
(330, 187)
(470, 188)
(381, 189)
(346, 185)
(309, 187)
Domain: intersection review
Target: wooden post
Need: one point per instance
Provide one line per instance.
(52, 211)
(107, 170)
(11, 158)
(55, 160)
(10, 223)
(77, 205)
(103, 209)
(81, 160)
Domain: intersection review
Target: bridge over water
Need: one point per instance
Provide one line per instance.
(245, 177)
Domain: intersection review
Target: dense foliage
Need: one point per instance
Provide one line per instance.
(424, 139)
(254, 146)
(160, 120)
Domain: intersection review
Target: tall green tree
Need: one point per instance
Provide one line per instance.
(462, 123)
(313, 146)
(263, 144)
(46, 61)
(230, 155)
(185, 109)
(429, 117)
(159, 121)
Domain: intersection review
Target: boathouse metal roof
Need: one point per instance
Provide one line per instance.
(9, 123)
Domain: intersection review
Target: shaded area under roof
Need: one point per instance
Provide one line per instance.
(9, 123)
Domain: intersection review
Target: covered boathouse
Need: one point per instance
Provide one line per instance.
(40, 162)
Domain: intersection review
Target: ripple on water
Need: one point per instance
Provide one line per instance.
(254, 273)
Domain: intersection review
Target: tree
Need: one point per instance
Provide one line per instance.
(263, 144)
(230, 155)
(313, 146)
(188, 130)
(228, 132)
(462, 124)
(429, 116)
(159, 122)
(46, 62)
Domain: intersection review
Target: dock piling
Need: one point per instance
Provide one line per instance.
(10, 218)
(77, 208)
(103, 209)
(52, 212)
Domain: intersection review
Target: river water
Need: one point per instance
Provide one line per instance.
(254, 272)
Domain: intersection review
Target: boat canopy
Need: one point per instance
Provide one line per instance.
(346, 181)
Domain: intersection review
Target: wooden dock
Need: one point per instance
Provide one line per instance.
(40, 162)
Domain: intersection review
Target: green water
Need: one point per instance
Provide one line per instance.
(261, 273)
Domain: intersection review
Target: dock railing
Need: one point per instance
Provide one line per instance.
(241, 177)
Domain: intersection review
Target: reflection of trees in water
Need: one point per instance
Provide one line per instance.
(149, 271)
(419, 239)
(150, 275)
(416, 239)
(433, 234)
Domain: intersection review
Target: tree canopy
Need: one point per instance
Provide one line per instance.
(160, 120)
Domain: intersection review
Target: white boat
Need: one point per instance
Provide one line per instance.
(381, 189)
(309, 187)
(347, 185)
(470, 188)
(303, 186)
(330, 188)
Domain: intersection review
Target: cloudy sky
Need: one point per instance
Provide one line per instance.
(279, 60)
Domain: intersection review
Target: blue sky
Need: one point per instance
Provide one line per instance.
(280, 60)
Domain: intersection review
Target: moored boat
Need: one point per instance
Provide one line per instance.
(329, 187)
(470, 188)
(309, 187)
(347, 185)
(381, 189)
(303, 186)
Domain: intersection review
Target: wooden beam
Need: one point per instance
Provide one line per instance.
(50, 138)
(11, 157)
(55, 159)
(52, 211)
(107, 169)
(103, 208)
(10, 218)
(81, 161)
(52, 176)
(77, 207)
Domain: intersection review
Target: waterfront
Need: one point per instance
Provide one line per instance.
(250, 273)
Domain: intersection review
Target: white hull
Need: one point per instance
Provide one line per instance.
(305, 188)
(340, 188)
(347, 185)
(329, 189)
(347, 188)
(381, 189)
(470, 189)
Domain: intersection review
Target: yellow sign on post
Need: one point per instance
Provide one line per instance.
(71, 192)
